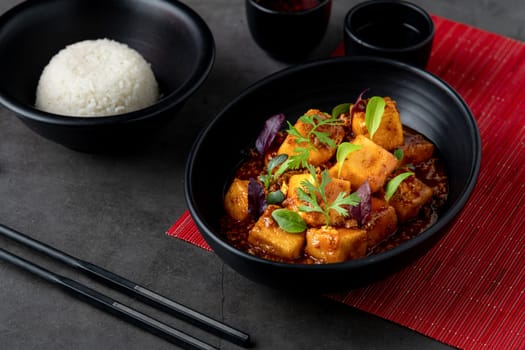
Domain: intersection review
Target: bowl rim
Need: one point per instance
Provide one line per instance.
(255, 4)
(348, 30)
(164, 103)
(445, 219)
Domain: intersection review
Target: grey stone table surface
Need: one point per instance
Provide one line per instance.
(114, 210)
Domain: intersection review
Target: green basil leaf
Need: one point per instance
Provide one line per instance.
(392, 185)
(275, 161)
(374, 113)
(275, 197)
(343, 150)
(265, 179)
(284, 166)
(399, 154)
(289, 220)
(340, 109)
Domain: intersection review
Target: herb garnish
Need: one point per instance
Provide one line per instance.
(363, 210)
(374, 113)
(256, 198)
(275, 197)
(289, 220)
(392, 185)
(399, 154)
(343, 150)
(340, 109)
(311, 191)
(300, 158)
(359, 104)
(270, 177)
(271, 127)
(375, 107)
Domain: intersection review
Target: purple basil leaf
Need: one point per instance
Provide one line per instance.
(256, 198)
(268, 133)
(361, 212)
(359, 105)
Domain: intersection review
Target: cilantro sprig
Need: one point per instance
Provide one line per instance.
(312, 191)
(315, 121)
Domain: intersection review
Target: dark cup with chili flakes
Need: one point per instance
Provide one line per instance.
(288, 30)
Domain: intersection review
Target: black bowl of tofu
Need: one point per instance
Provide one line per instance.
(404, 177)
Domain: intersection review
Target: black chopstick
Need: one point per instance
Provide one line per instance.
(216, 327)
(110, 305)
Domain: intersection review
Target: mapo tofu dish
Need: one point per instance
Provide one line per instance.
(334, 186)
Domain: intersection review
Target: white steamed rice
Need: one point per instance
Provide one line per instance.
(96, 78)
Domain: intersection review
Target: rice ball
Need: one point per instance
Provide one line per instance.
(96, 78)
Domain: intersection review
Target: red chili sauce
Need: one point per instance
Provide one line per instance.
(431, 172)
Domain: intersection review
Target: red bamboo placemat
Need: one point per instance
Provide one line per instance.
(469, 290)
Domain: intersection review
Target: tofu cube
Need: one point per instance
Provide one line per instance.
(322, 152)
(411, 195)
(389, 135)
(330, 245)
(332, 190)
(236, 199)
(416, 149)
(371, 162)
(382, 223)
(267, 236)
(295, 182)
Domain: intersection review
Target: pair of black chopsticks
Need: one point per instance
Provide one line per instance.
(114, 307)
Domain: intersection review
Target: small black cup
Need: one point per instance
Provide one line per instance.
(287, 35)
(393, 29)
